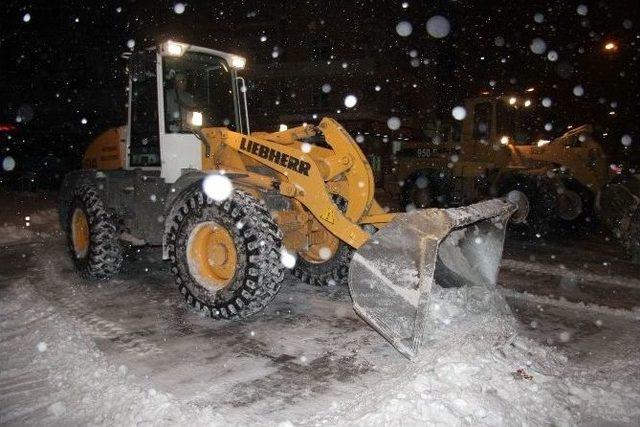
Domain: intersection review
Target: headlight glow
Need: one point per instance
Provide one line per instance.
(174, 49)
(238, 62)
(196, 118)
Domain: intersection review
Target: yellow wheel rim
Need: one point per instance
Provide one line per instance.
(80, 232)
(211, 255)
(321, 252)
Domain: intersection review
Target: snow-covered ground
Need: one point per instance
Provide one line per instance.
(129, 352)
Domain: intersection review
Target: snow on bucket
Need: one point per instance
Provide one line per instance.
(391, 276)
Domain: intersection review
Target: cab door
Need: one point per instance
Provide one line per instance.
(143, 138)
(193, 82)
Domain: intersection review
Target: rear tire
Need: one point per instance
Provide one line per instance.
(332, 272)
(257, 272)
(92, 235)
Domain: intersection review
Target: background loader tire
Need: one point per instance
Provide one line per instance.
(586, 221)
(100, 255)
(542, 202)
(257, 270)
(333, 272)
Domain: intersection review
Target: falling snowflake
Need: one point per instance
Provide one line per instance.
(626, 140)
(131, 43)
(393, 123)
(287, 258)
(459, 112)
(546, 102)
(582, 10)
(552, 55)
(538, 46)
(179, 8)
(326, 88)
(218, 187)
(325, 253)
(8, 163)
(438, 26)
(305, 147)
(578, 90)
(404, 29)
(42, 347)
(350, 101)
(26, 17)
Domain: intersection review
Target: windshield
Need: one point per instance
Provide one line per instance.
(523, 124)
(197, 82)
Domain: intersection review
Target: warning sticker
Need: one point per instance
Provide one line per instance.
(328, 216)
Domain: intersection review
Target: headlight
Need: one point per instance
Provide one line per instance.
(196, 118)
(542, 142)
(238, 62)
(173, 48)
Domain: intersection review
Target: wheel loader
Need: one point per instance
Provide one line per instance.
(232, 208)
(499, 147)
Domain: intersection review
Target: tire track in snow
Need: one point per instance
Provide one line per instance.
(99, 327)
(73, 299)
(563, 303)
(556, 270)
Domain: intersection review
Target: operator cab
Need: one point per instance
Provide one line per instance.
(502, 120)
(171, 87)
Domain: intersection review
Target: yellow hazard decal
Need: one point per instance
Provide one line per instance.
(328, 216)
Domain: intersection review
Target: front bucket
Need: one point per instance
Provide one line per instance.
(391, 276)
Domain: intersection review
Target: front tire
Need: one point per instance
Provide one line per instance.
(542, 202)
(225, 256)
(92, 235)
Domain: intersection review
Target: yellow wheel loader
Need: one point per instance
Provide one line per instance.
(232, 209)
(499, 148)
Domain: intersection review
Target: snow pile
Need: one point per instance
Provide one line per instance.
(475, 369)
(31, 229)
(45, 217)
(12, 234)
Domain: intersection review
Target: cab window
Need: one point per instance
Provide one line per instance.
(482, 120)
(198, 82)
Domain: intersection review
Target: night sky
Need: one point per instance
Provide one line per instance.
(63, 80)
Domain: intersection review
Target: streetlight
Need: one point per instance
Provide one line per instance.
(610, 47)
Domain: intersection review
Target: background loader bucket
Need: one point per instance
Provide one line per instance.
(391, 276)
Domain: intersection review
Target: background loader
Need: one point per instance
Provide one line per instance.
(232, 208)
(499, 147)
